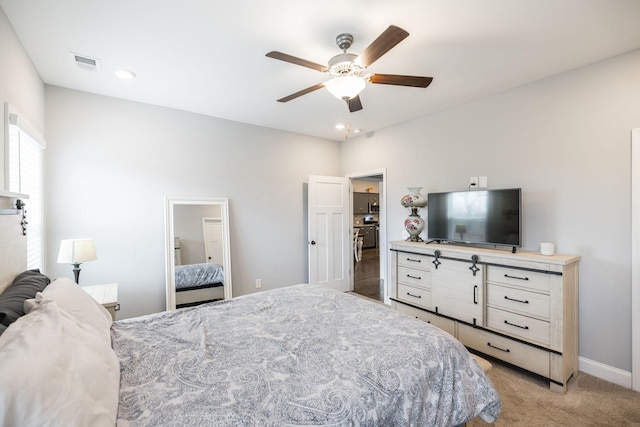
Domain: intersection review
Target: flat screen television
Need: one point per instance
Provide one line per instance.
(486, 217)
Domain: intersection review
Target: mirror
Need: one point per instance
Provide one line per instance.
(198, 255)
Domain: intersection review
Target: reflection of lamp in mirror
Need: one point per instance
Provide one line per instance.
(461, 229)
(75, 252)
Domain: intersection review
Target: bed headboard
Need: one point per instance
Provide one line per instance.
(13, 249)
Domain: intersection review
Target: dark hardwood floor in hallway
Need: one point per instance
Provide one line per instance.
(367, 275)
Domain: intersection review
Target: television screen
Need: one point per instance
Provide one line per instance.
(479, 216)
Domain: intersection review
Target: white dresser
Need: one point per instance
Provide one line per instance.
(519, 307)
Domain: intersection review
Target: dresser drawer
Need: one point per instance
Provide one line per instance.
(413, 295)
(414, 277)
(527, 357)
(526, 328)
(443, 323)
(518, 300)
(525, 279)
(414, 260)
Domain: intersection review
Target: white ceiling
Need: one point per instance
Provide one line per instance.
(208, 56)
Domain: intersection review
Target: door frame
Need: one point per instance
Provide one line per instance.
(382, 237)
(635, 259)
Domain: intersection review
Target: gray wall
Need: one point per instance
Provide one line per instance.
(20, 84)
(566, 142)
(110, 163)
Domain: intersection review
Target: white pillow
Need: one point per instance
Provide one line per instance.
(55, 371)
(74, 300)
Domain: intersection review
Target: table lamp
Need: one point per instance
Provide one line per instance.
(75, 252)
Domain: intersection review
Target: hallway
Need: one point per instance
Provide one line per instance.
(367, 275)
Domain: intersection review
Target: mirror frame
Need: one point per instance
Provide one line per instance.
(170, 202)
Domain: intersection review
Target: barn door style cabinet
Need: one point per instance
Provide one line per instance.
(520, 307)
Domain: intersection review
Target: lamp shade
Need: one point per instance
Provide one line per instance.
(76, 251)
(345, 87)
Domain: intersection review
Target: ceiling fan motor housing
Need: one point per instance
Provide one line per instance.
(343, 65)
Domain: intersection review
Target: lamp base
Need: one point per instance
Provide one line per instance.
(76, 272)
(414, 225)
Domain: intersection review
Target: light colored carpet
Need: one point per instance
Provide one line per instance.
(589, 401)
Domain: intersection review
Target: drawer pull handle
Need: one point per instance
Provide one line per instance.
(414, 277)
(517, 326)
(414, 260)
(498, 348)
(515, 277)
(516, 300)
(415, 296)
(475, 294)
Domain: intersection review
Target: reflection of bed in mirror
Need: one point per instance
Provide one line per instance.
(199, 283)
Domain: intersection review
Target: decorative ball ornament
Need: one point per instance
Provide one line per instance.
(414, 224)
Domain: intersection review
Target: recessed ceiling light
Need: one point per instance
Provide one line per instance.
(125, 74)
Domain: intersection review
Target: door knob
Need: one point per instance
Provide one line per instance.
(313, 242)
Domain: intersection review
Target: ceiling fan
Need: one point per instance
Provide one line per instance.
(347, 69)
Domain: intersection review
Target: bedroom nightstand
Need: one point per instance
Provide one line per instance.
(107, 295)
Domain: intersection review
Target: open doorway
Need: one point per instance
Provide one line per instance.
(369, 227)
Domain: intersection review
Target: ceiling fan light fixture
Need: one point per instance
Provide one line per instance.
(345, 87)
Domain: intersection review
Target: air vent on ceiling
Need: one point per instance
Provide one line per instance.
(86, 62)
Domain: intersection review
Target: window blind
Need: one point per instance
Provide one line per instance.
(24, 176)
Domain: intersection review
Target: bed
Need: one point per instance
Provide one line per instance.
(298, 355)
(198, 283)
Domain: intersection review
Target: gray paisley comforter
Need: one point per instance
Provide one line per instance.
(302, 355)
(193, 275)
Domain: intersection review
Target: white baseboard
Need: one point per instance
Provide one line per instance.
(605, 372)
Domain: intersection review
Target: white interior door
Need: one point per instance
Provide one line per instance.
(329, 232)
(212, 230)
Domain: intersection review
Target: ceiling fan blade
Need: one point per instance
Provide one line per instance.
(302, 92)
(394, 79)
(354, 104)
(295, 60)
(383, 44)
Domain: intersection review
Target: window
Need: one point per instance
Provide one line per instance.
(24, 175)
